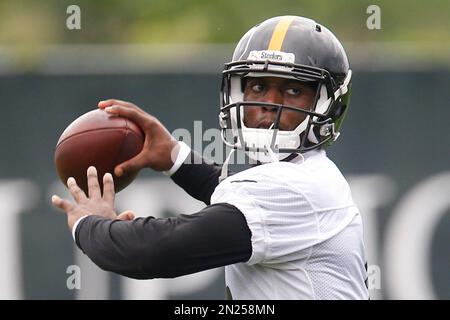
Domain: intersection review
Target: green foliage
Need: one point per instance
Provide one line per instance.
(29, 24)
(193, 21)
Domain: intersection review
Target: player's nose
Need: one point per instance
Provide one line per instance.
(274, 96)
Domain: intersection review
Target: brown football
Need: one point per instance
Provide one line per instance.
(101, 140)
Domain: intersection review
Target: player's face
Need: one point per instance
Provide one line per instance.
(288, 92)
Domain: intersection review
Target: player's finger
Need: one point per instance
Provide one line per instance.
(126, 215)
(76, 192)
(93, 185)
(107, 103)
(108, 188)
(134, 114)
(132, 165)
(62, 203)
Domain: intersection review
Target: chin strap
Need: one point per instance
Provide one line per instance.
(224, 172)
(292, 156)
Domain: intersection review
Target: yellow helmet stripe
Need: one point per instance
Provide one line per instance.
(279, 33)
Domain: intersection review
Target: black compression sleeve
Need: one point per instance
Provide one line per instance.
(147, 248)
(198, 177)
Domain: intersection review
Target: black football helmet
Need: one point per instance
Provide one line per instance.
(290, 47)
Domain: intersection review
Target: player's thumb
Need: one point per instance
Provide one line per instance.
(126, 215)
(133, 165)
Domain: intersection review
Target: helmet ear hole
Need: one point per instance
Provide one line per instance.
(338, 110)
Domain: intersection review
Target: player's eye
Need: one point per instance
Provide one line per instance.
(257, 87)
(294, 91)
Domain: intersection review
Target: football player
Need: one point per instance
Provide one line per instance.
(286, 228)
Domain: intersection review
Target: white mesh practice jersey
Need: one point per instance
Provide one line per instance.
(307, 237)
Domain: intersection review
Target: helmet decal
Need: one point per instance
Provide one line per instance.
(279, 33)
(272, 55)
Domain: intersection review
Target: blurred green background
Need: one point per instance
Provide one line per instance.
(417, 30)
(201, 21)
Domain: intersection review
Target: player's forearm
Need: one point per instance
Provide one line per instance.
(198, 177)
(147, 248)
